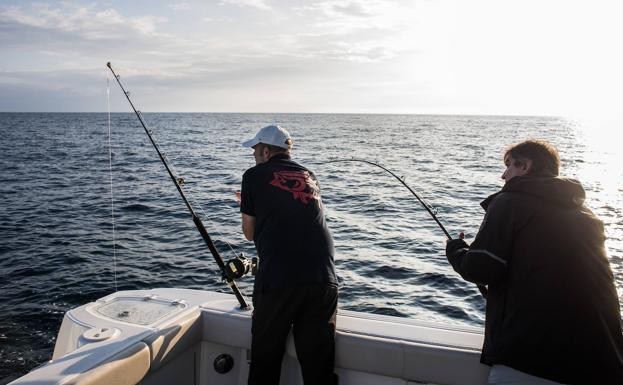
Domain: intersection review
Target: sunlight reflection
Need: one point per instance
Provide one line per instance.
(603, 162)
(601, 173)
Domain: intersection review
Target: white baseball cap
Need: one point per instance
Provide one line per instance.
(273, 135)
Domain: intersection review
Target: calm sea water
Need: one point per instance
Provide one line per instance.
(56, 245)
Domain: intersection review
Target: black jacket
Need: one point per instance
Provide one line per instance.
(552, 307)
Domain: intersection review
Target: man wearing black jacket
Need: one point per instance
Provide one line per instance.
(552, 307)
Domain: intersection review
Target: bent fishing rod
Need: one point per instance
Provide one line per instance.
(481, 288)
(178, 181)
(401, 180)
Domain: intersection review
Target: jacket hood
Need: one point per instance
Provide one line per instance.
(564, 192)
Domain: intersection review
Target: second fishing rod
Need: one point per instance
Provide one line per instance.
(427, 207)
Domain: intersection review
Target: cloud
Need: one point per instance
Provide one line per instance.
(339, 47)
(53, 80)
(81, 22)
(348, 16)
(180, 6)
(211, 19)
(349, 8)
(147, 24)
(62, 49)
(259, 4)
(358, 30)
(46, 38)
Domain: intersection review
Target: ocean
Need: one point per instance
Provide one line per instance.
(58, 249)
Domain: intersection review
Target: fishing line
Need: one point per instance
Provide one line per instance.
(214, 225)
(178, 182)
(112, 198)
(188, 191)
(429, 209)
(169, 260)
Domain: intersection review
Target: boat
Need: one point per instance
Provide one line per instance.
(183, 337)
(194, 337)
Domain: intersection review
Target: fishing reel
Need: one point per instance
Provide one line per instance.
(239, 266)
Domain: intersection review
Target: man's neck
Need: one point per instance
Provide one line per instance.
(279, 155)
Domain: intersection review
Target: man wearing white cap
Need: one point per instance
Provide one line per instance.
(295, 285)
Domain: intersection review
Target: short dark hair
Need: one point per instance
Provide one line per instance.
(276, 149)
(544, 156)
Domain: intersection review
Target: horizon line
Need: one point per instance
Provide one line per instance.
(291, 113)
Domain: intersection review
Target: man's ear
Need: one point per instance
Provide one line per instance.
(526, 165)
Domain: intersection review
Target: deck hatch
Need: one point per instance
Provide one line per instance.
(139, 311)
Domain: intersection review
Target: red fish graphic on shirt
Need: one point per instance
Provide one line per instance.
(299, 183)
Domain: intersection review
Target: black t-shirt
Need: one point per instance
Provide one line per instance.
(291, 236)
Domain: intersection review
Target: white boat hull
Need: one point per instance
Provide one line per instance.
(174, 336)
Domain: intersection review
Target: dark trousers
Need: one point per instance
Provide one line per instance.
(310, 311)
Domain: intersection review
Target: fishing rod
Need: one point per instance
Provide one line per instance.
(401, 180)
(178, 182)
(481, 288)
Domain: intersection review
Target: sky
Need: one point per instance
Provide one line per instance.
(499, 57)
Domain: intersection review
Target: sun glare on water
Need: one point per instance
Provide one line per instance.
(601, 173)
(603, 160)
